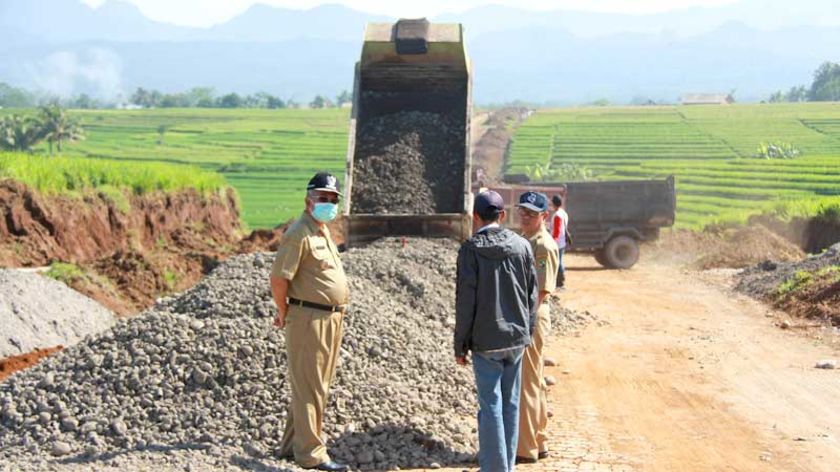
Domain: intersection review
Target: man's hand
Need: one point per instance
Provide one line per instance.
(461, 360)
(280, 320)
(279, 286)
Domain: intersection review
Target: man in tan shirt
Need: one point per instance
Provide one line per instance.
(310, 289)
(532, 211)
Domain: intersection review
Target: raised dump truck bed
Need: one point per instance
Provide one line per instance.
(408, 157)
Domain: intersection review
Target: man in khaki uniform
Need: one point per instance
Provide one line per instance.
(533, 405)
(310, 289)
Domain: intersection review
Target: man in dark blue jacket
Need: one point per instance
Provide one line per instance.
(495, 311)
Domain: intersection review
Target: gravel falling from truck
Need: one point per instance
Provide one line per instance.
(409, 163)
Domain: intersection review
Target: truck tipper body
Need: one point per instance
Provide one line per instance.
(410, 70)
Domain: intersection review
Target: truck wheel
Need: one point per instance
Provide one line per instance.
(600, 258)
(621, 252)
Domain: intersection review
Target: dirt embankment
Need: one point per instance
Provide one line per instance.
(807, 289)
(162, 243)
(36, 230)
(10, 365)
(733, 248)
(813, 235)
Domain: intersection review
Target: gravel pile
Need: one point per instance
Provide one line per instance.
(565, 322)
(764, 279)
(409, 163)
(37, 311)
(199, 380)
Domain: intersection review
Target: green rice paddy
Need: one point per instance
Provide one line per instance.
(708, 148)
(268, 155)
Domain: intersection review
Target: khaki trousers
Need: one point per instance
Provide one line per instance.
(533, 402)
(313, 338)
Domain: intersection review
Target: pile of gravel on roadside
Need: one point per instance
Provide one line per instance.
(566, 322)
(207, 368)
(37, 312)
(409, 163)
(206, 371)
(763, 280)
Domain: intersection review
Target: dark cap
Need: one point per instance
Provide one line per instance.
(488, 205)
(534, 201)
(325, 182)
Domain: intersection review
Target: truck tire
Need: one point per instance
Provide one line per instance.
(621, 252)
(599, 258)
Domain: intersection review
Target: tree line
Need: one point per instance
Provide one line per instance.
(52, 123)
(205, 97)
(16, 97)
(824, 88)
(196, 97)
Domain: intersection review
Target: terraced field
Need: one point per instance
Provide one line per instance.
(267, 155)
(708, 148)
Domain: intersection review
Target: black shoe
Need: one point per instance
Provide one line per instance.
(330, 466)
(543, 455)
(525, 460)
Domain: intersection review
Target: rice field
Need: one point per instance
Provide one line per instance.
(266, 155)
(708, 148)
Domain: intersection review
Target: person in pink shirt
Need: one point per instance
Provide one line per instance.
(559, 228)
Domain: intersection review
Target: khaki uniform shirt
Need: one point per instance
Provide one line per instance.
(546, 259)
(308, 259)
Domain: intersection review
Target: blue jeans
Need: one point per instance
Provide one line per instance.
(498, 379)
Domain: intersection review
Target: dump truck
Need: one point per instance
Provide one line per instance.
(607, 219)
(408, 169)
(408, 156)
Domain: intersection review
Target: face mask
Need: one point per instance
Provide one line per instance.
(325, 212)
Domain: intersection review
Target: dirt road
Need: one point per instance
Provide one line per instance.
(685, 376)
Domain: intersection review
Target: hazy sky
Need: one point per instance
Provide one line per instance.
(208, 12)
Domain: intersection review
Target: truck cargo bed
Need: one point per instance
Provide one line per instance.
(408, 155)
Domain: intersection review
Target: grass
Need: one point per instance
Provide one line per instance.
(64, 272)
(62, 174)
(710, 150)
(829, 212)
(803, 279)
(170, 278)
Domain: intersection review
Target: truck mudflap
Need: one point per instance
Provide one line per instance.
(364, 228)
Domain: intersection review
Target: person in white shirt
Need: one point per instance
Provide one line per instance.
(559, 228)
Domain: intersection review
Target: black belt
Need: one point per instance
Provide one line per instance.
(317, 306)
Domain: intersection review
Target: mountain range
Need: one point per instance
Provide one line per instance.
(753, 47)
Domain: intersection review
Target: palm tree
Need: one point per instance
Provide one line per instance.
(59, 127)
(18, 133)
